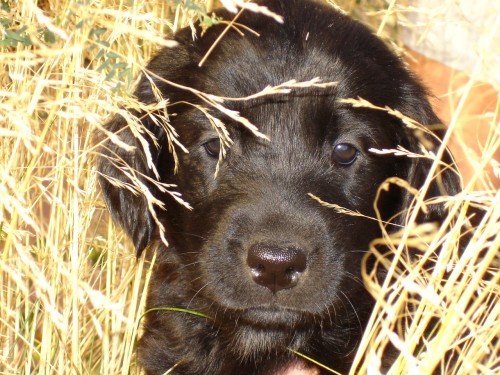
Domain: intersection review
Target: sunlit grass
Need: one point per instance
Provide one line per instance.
(72, 291)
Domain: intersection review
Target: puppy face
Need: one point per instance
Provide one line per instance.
(258, 248)
(272, 267)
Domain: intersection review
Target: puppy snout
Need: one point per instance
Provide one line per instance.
(276, 267)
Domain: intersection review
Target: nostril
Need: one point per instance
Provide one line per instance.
(291, 271)
(258, 269)
(276, 267)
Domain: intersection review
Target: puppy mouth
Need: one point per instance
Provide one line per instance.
(275, 318)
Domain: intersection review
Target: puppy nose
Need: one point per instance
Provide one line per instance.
(276, 267)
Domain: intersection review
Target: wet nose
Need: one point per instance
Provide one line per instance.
(276, 267)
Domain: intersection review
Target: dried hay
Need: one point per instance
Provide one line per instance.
(72, 291)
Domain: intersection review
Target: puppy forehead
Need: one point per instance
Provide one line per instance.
(243, 65)
(340, 50)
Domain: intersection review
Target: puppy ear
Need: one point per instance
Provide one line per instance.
(445, 179)
(125, 179)
(130, 166)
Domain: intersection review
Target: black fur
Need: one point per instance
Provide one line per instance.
(260, 195)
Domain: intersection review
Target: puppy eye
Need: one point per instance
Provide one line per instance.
(345, 153)
(212, 147)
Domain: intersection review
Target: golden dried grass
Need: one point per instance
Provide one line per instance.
(72, 290)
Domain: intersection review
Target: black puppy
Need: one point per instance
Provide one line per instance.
(269, 266)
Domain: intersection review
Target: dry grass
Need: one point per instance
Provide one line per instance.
(71, 287)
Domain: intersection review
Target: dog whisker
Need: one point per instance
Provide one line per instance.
(355, 278)
(197, 292)
(354, 310)
(327, 307)
(189, 265)
(191, 235)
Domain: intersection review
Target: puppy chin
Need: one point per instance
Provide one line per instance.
(252, 344)
(274, 318)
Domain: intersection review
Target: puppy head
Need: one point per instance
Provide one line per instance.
(257, 248)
